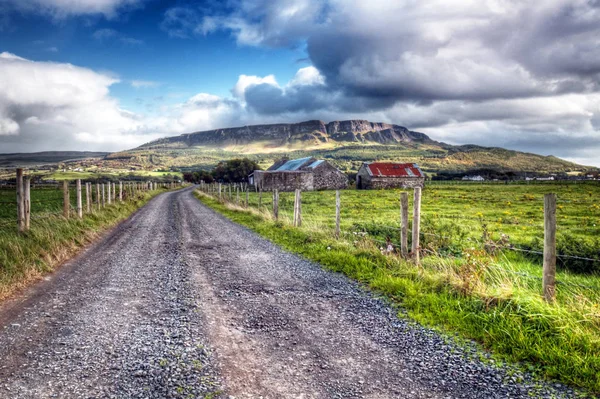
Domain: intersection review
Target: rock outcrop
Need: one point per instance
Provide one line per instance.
(282, 133)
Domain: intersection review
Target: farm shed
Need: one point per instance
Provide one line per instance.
(374, 175)
(304, 173)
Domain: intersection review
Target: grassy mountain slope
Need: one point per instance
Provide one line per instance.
(346, 144)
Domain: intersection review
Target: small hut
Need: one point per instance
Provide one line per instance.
(375, 175)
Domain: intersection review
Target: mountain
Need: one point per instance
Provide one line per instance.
(344, 143)
(352, 131)
(46, 157)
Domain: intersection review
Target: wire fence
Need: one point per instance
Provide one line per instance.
(387, 238)
(27, 201)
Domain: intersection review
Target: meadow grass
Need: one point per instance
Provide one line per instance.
(491, 297)
(52, 239)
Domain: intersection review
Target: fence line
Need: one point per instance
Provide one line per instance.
(95, 199)
(549, 254)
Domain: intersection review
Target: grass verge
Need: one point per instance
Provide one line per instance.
(52, 239)
(508, 317)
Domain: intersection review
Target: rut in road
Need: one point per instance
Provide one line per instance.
(179, 302)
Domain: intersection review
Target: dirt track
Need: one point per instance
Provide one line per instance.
(179, 302)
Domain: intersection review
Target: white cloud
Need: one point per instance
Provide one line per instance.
(246, 81)
(141, 84)
(65, 8)
(307, 76)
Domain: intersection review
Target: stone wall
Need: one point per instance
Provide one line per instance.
(327, 177)
(394, 182)
(283, 181)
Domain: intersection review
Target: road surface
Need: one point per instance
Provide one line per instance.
(179, 302)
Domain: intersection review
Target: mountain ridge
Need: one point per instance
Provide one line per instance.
(353, 130)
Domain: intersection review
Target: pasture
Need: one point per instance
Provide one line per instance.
(481, 269)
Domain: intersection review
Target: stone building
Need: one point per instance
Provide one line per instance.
(305, 174)
(374, 175)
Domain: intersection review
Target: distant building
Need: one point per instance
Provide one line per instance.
(305, 174)
(374, 175)
(540, 178)
(473, 178)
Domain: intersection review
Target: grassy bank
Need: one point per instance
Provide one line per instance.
(475, 295)
(25, 257)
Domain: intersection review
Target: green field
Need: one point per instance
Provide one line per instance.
(465, 283)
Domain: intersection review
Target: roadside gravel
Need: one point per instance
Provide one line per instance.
(282, 326)
(179, 302)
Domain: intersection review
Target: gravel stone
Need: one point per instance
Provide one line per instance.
(179, 302)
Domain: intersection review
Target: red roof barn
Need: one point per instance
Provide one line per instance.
(373, 175)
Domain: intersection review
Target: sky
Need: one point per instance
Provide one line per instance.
(109, 75)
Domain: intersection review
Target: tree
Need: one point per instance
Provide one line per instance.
(198, 176)
(234, 170)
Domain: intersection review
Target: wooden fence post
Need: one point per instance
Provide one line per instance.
(103, 196)
(120, 191)
(297, 208)
(404, 221)
(276, 204)
(88, 205)
(98, 195)
(416, 228)
(66, 199)
(247, 197)
(259, 198)
(79, 202)
(20, 201)
(220, 194)
(27, 204)
(114, 192)
(549, 281)
(338, 209)
(237, 195)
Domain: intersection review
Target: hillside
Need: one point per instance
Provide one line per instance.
(46, 157)
(345, 143)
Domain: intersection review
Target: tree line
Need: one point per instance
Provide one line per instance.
(232, 171)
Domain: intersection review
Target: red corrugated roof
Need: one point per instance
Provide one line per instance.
(395, 169)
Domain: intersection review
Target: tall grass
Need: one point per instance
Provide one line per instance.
(25, 257)
(494, 299)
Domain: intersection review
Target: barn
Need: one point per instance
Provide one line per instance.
(304, 173)
(375, 175)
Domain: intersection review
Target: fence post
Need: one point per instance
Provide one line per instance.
(247, 197)
(220, 195)
(276, 204)
(103, 196)
(404, 221)
(79, 203)
(297, 209)
(114, 192)
(549, 281)
(66, 199)
(120, 191)
(27, 204)
(98, 195)
(338, 208)
(259, 198)
(88, 204)
(237, 195)
(416, 228)
(20, 201)
(109, 194)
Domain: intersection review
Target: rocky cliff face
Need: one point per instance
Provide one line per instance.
(282, 133)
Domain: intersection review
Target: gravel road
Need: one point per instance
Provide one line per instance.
(179, 302)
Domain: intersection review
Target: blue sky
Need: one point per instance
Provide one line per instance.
(113, 74)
